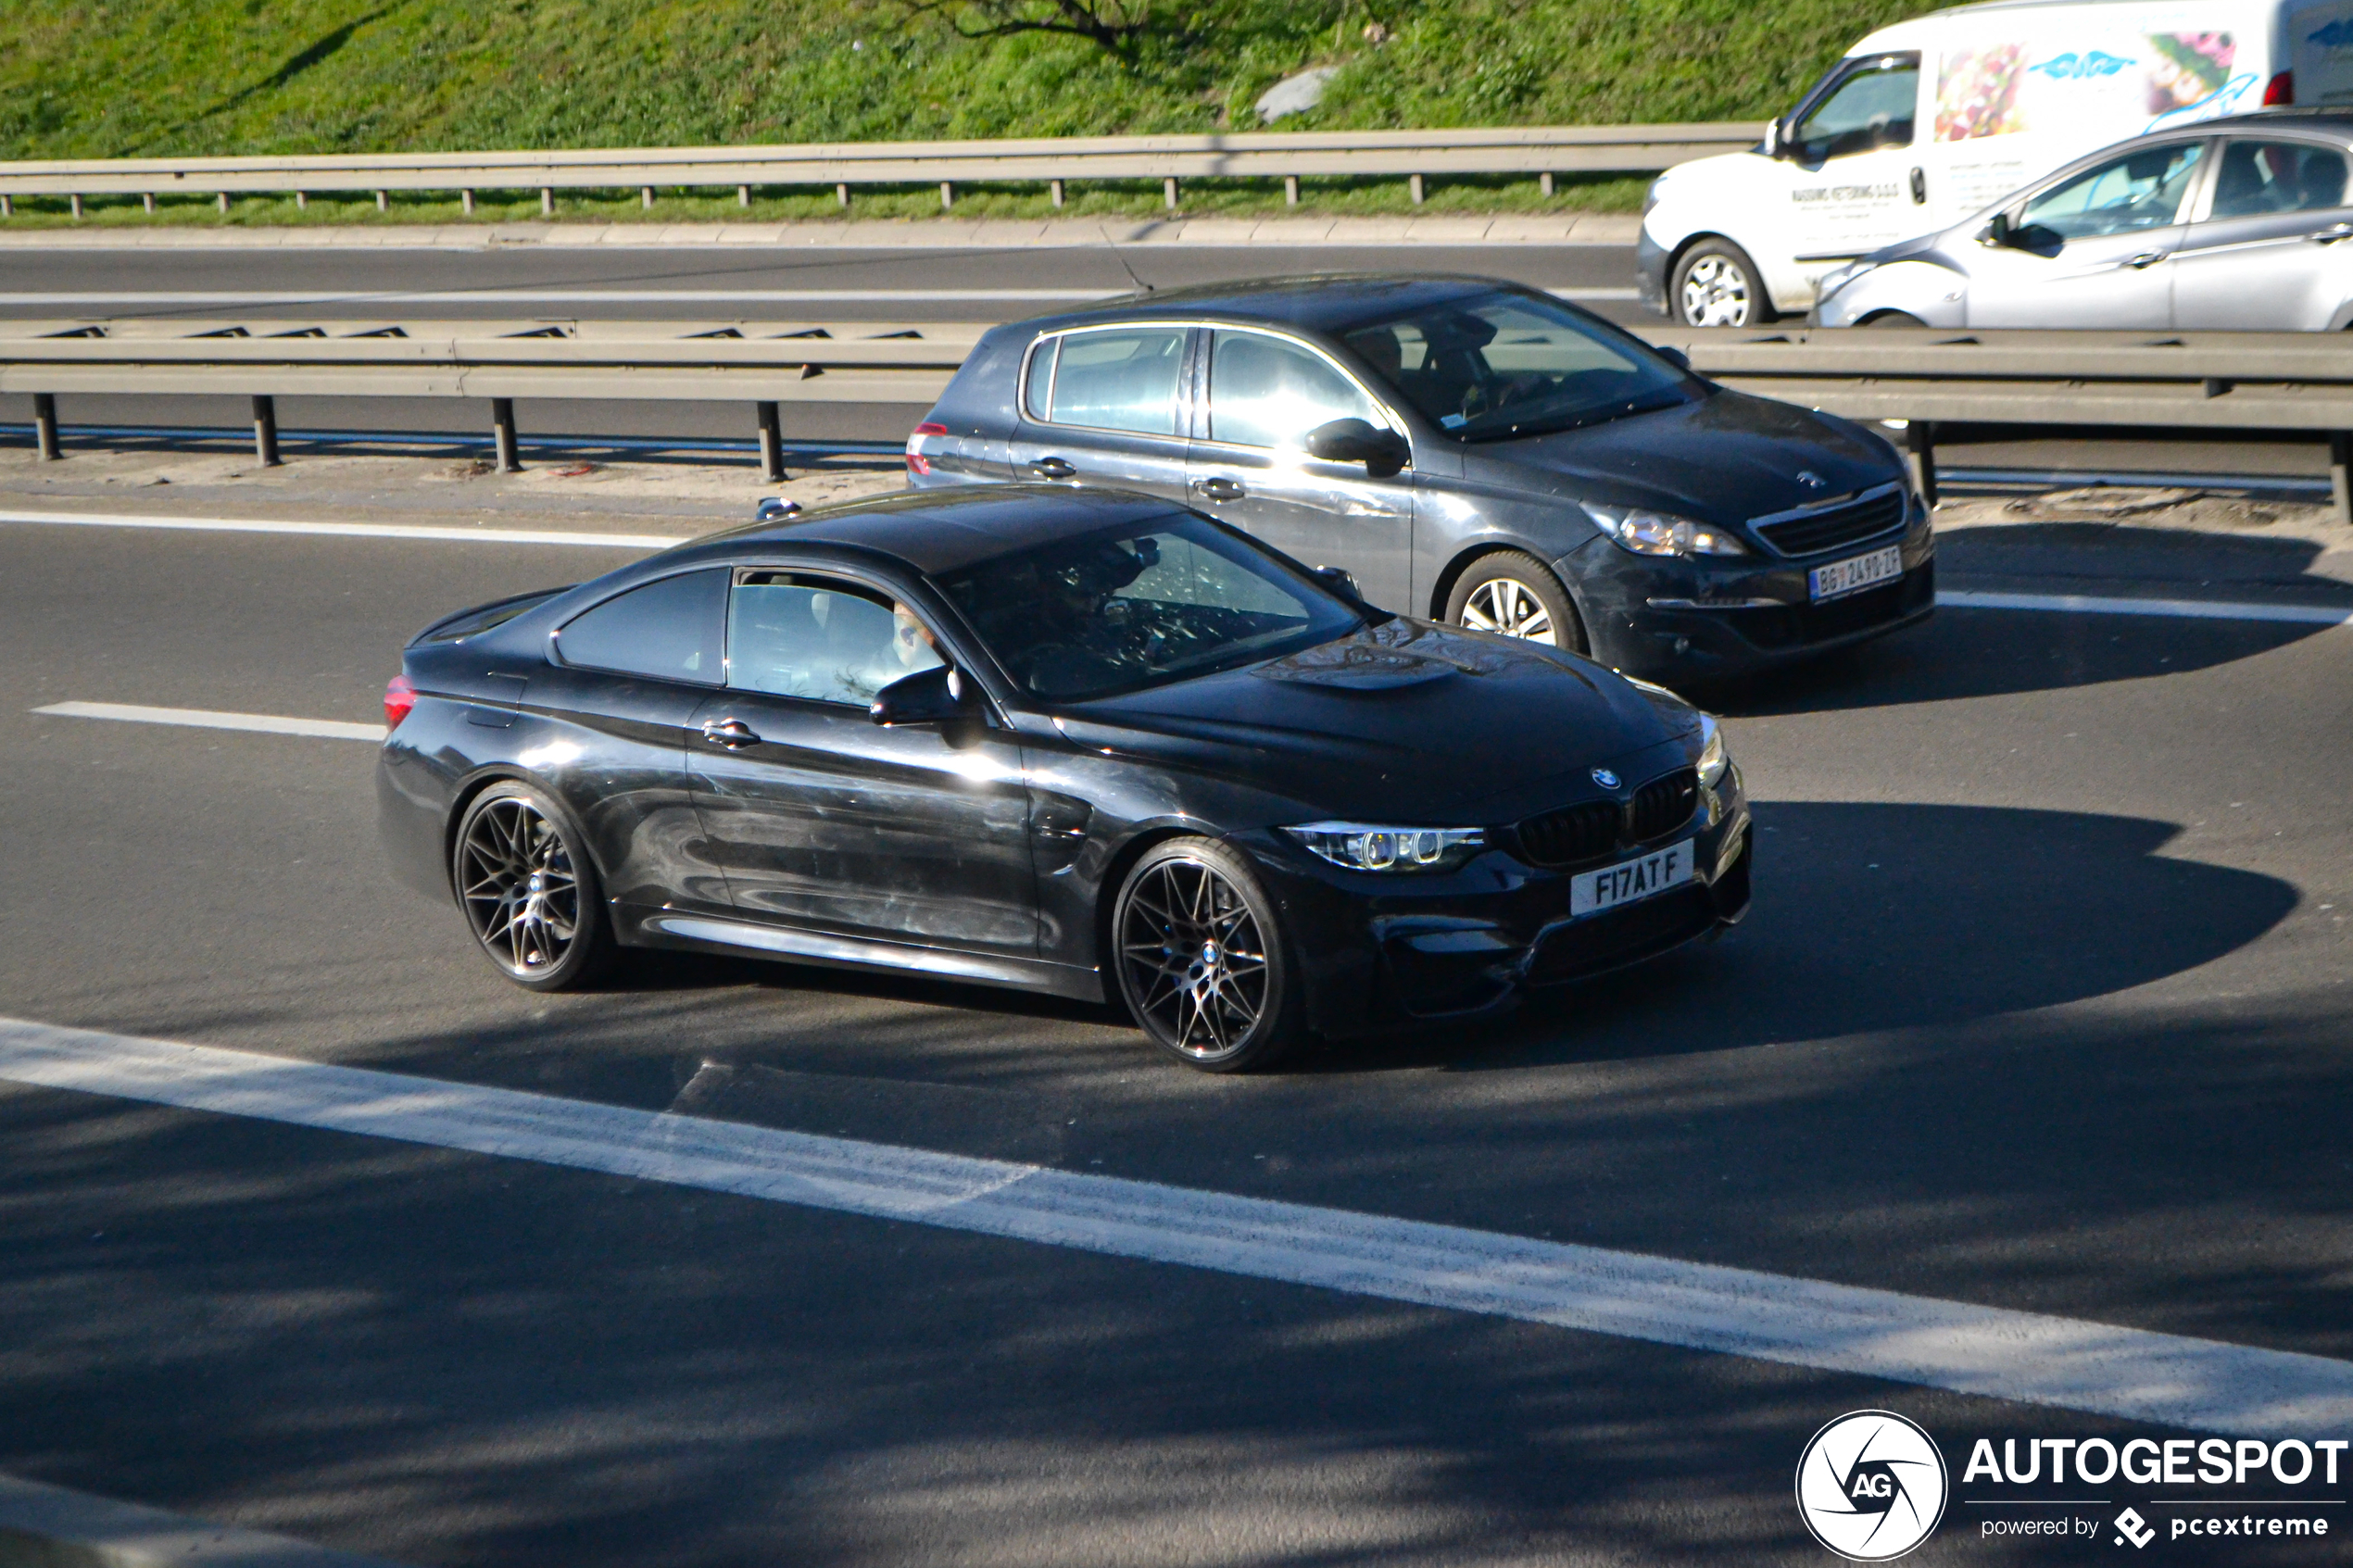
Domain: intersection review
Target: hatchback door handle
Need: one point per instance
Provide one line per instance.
(2146, 260)
(2333, 233)
(733, 733)
(1221, 488)
(1051, 468)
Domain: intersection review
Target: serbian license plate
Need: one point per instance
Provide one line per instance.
(1613, 885)
(1853, 576)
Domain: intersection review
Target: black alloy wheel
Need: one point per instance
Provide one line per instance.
(1717, 285)
(1517, 595)
(530, 896)
(1200, 958)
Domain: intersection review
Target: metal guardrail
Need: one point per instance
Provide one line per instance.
(2153, 384)
(1540, 150)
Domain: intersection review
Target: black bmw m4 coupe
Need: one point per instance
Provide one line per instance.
(1074, 741)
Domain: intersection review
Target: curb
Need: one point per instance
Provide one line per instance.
(44, 1526)
(1568, 229)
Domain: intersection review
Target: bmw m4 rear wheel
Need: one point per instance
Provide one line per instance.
(530, 895)
(1200, 958)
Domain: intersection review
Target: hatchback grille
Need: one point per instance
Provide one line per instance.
(1590, 831)
(1663, 805)
(1571, 834)
(1811, 533)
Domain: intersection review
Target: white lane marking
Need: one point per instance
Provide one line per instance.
(354, 530)
(520, 295)
(2195, 609)
(2198, 1384)
(208, 718)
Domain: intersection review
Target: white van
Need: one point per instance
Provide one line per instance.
(1928, 121)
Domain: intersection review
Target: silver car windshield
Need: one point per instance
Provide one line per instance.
(1494, 366)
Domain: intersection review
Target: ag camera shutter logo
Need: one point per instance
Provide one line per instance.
(1871, 1485)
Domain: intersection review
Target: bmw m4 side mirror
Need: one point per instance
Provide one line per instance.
(1383, 452)
(1672, 355)
(1340, 581)
(929, 696)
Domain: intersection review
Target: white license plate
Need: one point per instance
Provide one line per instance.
(1613, 885)
(1849, 576)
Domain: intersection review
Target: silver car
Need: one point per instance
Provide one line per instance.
(2230, 225)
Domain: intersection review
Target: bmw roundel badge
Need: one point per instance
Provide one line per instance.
(1605, 778)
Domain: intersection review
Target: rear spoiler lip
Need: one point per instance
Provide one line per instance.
(534, 595)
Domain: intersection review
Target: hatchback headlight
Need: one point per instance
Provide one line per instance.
(1361, 847)
(1656, 533)
(1712, 758)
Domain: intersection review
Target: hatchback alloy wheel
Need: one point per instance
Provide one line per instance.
(1507, 606)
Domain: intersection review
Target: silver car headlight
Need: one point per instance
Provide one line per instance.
(1364, 848)
(1650, 197)
(1838, 278)
(1657, 534)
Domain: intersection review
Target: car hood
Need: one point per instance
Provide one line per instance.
(1725, 459)
(1404, 719)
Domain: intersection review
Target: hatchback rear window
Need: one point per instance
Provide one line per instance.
(1119, 380)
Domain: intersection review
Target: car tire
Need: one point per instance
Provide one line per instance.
(1517, 595)
(1717, 285)
(1197, 944)
(1894, 319)
(528, 890)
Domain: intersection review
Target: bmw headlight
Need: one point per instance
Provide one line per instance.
(1656, 533)
(1712, 758)
(1361, 847)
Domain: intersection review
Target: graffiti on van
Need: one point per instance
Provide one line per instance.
(2338, 34)
(2188, 72)
(2076, 68)
(2211, 107)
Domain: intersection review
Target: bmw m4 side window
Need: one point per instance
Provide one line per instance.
(793, 635)
(667, 629)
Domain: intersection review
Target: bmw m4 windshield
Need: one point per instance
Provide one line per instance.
(1490, 367)
(1141, 604)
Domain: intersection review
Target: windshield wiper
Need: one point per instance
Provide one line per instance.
(1602, 415)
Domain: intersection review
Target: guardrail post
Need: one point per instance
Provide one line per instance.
(2341, 475)
(947, 195)
(76, 200)
(1919, 438)
(45, 426)
(502, 430)
(1290, 189)
(1544, 183)
(743, 196)
(384, 201)
(265, 430)
(646, 195)
(841, 195)
(1168, 191)
(147, 200)
(772, 444)
(546, 201)
(1413, 183)
(222, 197)
(302, 201)
(466, 199)
(1055, 188)
(7, 206)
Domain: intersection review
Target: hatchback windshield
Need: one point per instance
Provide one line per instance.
(1141, 605)
(1490, 366)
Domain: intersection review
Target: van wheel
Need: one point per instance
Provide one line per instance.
(1717, 285)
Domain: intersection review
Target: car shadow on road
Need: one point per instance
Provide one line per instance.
(1873, 916)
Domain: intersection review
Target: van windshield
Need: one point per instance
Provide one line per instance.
(1493, 366)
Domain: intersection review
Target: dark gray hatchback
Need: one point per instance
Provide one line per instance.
(1468, 450)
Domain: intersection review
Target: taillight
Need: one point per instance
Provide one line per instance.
(400, 696)
(2280, 90)
(917, 463)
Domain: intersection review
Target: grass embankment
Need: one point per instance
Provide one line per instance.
(133, 77)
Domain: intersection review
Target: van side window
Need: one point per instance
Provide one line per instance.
(1872, 108)
(2256, 178)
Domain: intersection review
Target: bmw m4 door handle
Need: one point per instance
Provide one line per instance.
(1051, 468)
(1220, 489)
(733, 733)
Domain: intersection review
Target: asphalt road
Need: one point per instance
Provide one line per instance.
(2042, 1005)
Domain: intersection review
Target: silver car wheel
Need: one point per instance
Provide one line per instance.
(1508, 606)
(1715, 294)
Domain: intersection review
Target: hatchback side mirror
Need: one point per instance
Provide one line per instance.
(1996, 232)
(928, 697)
(1382, 452)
